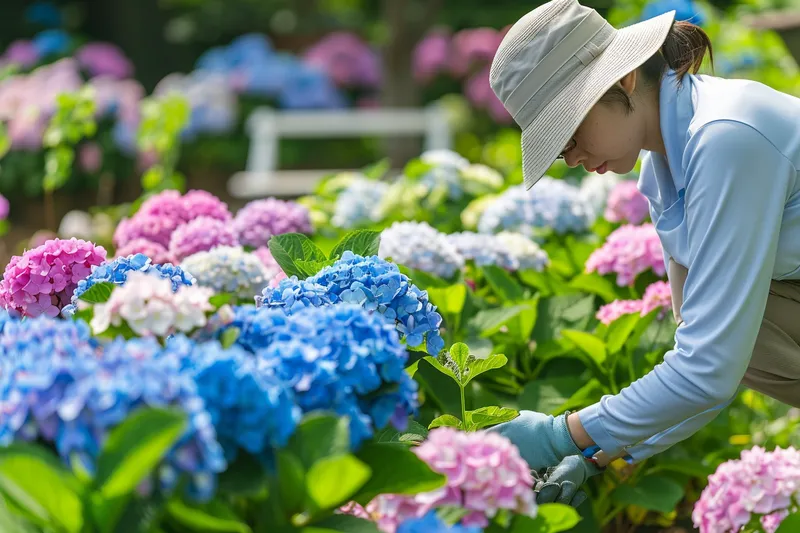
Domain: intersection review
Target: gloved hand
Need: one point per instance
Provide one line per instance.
(561, 483)
(543, 440)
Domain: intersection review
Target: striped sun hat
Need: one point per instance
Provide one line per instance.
(555, 63)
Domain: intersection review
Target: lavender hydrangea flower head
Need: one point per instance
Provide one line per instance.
(552, 206)
(626, 204)
(627, 252)
(420, 246)
(343, 357)
(259, 220)
(483, 249)
(41, 280)
(154, 228)
(759, 483)
(56, 396)
(200, 235)
(524, 250)
(358, 203)
(251, 410)
(157, 253)
(228, 269)
(117, 271)
(372, 283)
(485, 474)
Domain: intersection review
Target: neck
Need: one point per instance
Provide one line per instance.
(653, 141)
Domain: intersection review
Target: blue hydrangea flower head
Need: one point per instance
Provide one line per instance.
(249, 409)
(378, 285)
(62, 400)
(45, 335)
(420, 246)
(116, 272)
(685, 10)
(552, 206)
(292, 295)
(431, 523)
(343, 357)
(52, 42)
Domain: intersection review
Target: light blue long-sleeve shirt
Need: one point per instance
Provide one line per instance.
(726, 204)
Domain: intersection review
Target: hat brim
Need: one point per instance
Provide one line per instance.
(544, 139)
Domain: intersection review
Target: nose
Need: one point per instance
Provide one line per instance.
(574, 157)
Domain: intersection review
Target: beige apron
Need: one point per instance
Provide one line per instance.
(774, 369)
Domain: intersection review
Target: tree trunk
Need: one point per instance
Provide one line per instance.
(399, 89)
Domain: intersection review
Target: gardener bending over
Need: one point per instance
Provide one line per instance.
(720, 174)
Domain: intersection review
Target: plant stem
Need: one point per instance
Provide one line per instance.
(463, 406)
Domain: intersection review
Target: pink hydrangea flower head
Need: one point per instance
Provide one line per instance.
(759, 482)
(154, 228)
(355, 509)
(4, 207)
(104, 59)
(259, 220)
(200, 203)
(42, 280)
(200, 235)
(167, 204)
(473, 46)
(657, 295)
(627, 204)
(23, 53)
(90, 157)
(347, 59)
(431, 56)
(485, 473)
(614, 310)
(628, 251)
(158, 254)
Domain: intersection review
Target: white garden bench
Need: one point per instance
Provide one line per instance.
(267, 126)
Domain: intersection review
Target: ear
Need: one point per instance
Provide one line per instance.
(628, 82)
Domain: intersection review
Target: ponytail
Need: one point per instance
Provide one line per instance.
(683, 52)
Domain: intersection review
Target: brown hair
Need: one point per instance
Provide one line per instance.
(683, 51)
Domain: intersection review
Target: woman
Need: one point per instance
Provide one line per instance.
(720, 174)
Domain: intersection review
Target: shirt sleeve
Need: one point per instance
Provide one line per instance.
(738, 184)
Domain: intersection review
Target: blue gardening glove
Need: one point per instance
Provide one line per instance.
(561, 483)
(543, 440)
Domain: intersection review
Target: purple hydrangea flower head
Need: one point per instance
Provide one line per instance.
(420, 246)
(626, 204)
(117, 271)
(41, 280)
(104, 59)
(250, 409)
(431, 523)
(628, 251)
(552, 206)
(342, 357)
(374, 284)
(23, 53)
(228, 269)
(347, 60)
(760, 482)
(200, 235)
(485, 474)
(259, 220)
(157, 253)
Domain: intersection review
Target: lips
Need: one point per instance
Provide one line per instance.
(602, 169)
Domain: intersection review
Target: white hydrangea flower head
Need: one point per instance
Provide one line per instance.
(419, 246)
(527, 253)
(229, 269)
